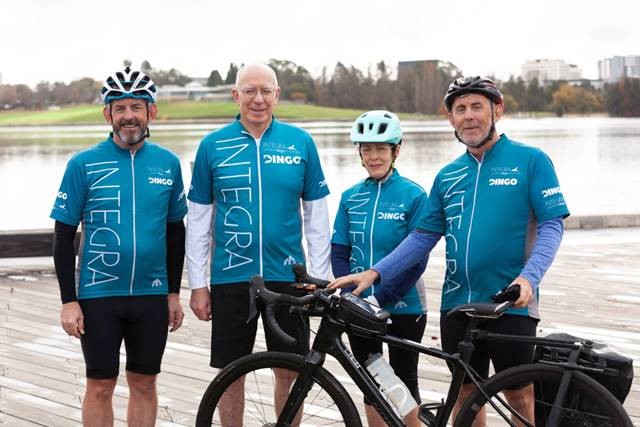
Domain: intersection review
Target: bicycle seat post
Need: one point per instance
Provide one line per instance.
(466, 347)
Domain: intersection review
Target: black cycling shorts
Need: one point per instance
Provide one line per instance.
(142, 321)
(503, 355)
(232, 337)
(403, 362)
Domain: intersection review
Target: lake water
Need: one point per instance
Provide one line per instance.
(597, 160)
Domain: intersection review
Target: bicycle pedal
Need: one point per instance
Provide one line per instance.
(428, 412)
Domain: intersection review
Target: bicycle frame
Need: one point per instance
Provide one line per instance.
(328, 341)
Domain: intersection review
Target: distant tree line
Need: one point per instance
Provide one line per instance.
(414, 87)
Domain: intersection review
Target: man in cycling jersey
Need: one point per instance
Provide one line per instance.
(500, 208)
(249, 180)
(128, 194)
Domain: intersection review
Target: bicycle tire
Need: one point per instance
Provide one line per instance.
(587, 403)
(326, 404)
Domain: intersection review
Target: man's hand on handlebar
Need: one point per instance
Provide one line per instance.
(526, 292)
(362, 281)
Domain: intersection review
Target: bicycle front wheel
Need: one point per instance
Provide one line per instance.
(587, 403)
(326, 404)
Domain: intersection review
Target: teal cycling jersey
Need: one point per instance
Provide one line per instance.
(372, 219)
(488, 211)
(255, 186)
(124, 202)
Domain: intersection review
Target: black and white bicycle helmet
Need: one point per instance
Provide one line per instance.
(128, 84)
(467, 85)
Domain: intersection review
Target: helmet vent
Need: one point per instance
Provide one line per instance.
(388, 116)
(360, 128)
(382, 128)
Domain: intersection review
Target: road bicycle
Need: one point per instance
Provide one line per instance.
(317, 397)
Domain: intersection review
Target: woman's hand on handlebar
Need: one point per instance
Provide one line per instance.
(526, 292)
(362, 281)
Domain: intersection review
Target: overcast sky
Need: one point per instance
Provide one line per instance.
(63, 40)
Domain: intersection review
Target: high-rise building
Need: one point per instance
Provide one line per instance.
(549, 70)
(618, 67)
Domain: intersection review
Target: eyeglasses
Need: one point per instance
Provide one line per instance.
(252, 92)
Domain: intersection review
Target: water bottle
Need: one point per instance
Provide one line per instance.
(391, 386)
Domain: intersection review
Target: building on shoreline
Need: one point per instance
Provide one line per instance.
(549, 70)
(618, 67)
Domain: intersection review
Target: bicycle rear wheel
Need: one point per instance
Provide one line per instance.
(587, 403)
(326, 404)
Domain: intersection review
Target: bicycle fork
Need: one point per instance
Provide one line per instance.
(300, 388)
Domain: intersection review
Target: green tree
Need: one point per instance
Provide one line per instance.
(622, 99)
(43, 95)
(293, 78)
(516, 89)
(83, 90)
(24, 96)
(510, 104)
(231, 74)
(215, 79)
(535, 99)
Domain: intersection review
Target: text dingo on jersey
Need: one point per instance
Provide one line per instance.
(281, 159)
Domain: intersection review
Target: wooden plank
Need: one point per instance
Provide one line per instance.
(592, 289)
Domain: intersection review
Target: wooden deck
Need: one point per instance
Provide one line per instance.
(593, 290)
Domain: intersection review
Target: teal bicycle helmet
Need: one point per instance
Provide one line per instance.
(377, 126)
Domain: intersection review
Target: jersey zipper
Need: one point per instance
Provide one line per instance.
(133, 190)
(473, 208)
(373, 221)
(257, 141)
(259, 170)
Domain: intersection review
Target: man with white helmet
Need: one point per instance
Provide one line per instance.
(500, 208)
(373, 217)
(128, 194)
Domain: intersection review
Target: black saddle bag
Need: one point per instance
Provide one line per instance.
(618, 369)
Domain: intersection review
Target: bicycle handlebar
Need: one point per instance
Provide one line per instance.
(271, 299)
(303, 277)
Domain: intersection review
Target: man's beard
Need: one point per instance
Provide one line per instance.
(125, 136)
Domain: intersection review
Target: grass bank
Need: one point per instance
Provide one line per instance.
(185, 110)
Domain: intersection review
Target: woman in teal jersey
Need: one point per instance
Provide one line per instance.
(374, 216)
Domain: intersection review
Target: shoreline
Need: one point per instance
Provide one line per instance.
(38, 242)
(404, 117)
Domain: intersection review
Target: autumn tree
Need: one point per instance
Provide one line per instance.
(574, 99)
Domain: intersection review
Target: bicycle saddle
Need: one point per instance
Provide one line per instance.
(482, 309)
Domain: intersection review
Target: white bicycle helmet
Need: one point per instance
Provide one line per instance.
(128, 84)
(377, 126)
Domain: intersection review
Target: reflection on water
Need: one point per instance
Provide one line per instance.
(595, 159)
